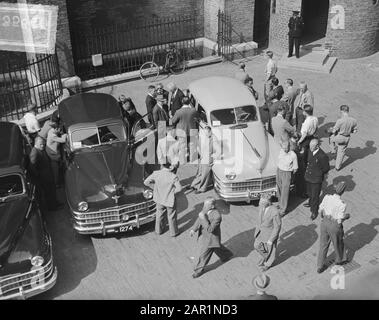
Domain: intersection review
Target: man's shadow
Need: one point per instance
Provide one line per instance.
(359, 153)
(322, 132)
(295, 241)
(360, 235)
(348, 180)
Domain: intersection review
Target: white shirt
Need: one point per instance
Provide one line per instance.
(309, 126)
(168, 147)
(271, 68)
(31, 122)
(287, 161)
(333, 207)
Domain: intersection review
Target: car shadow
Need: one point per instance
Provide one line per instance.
(359, 236)
(295, 241)
(74, 254)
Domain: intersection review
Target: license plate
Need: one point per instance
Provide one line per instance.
(125, 228)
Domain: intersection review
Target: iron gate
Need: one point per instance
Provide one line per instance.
(34, 80)
(125, 47)
(224, 35)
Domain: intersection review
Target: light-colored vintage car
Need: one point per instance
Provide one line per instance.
(247, 162)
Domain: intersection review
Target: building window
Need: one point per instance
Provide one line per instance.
(273, 6)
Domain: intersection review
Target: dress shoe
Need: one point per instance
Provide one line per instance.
(196, 274)
(322, 269)
(289, 56)
(264, 268)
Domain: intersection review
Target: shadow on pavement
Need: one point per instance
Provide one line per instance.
(350, 184)
(241, 244)
(359, 153)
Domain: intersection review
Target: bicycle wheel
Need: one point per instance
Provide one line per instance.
(177, 64)
(149, 71)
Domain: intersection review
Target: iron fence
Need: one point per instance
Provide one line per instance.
(224, 35)
(124, 48)
(36, 81)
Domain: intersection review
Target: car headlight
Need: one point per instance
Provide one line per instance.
(37, 261)
(230, 176)
(148, 194)
(83, 206)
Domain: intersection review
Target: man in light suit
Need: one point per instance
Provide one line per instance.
(289, 96)
(281, 128)
(267, 233)
(176, 98)
(305, 97)
(208, 227)
(165, 185)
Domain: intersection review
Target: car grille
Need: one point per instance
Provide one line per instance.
(111, 216)
(255, 185)
(26, 281)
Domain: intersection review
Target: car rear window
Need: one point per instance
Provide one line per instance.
(10, 185)
(233, 116)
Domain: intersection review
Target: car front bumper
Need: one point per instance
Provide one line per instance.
(246, 196)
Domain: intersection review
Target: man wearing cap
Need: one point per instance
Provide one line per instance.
(267, 233)
(341, 132)
(165, 185)
(208, 228)
(295, 26)
(241, 73)
(261, 282)
(333, 213)
(317, 168)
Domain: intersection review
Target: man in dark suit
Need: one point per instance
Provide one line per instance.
(295, 25)
(317, 167)
(159, 113)
(42, 175)
(150, 102)
(277, 90)
(261, 282)
(176, 98)
(208, 227)
(186, 122)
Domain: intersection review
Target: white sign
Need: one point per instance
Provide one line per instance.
(338, 20)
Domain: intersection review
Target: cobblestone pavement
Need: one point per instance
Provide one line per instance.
(142, 265)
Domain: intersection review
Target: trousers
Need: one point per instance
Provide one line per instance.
(314, 190)
(171, 217)
(331, 231)
(283, 181)
(340, 143)
(222, 252)
(268, 257)
(294, 41)
(203, 178)
(299, 119)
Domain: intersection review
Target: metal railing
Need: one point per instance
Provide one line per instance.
(36, 81)
(124, 48)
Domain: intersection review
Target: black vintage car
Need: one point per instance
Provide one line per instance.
(104, 183)
(26, 260)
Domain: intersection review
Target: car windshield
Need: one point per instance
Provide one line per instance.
(233, 116)
(10, 185)
(95, 136)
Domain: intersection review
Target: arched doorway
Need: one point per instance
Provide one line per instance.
(315, 14)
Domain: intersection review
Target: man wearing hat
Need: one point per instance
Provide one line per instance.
(295, 26)
(267, 233)
(333, 213)
(261, 282)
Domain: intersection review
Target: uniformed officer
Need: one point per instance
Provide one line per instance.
(340, 134)
(295, 26)
(333, 213)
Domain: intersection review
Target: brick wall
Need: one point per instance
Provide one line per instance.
(360, 37)
(242, 13)
(211, 8)
(88, 14)
(279, 21)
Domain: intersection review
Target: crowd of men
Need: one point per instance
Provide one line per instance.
(288, 114)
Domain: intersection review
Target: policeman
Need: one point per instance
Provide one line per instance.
(295, 26)
(340, 134)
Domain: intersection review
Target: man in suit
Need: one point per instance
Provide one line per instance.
(185, 121)
(267, 233)
(317, 168)
(289, 96)
(281, 128)
(43, 176)
(159, 112)
(303, 98)
(276, 91)
(273, 109)
(208, 227)
(295, 25)
(165, 185)
(261, 282)
(270, 72)
(176, 98)
(150, 102)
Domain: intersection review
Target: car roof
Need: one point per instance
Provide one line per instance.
(214, 93)
(11, 146)
(88, 107)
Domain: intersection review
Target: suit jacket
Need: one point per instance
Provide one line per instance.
(186, 119)
(281, 128)
(159, 114)
(277, 93)
(166, 185)
(270, 225)
(303, 99)
(176, 101)
(295, 26)
(290, 97)
(317, 167)
(209, 230)
(150, 103)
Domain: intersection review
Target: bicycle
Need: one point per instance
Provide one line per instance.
(174, 63)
